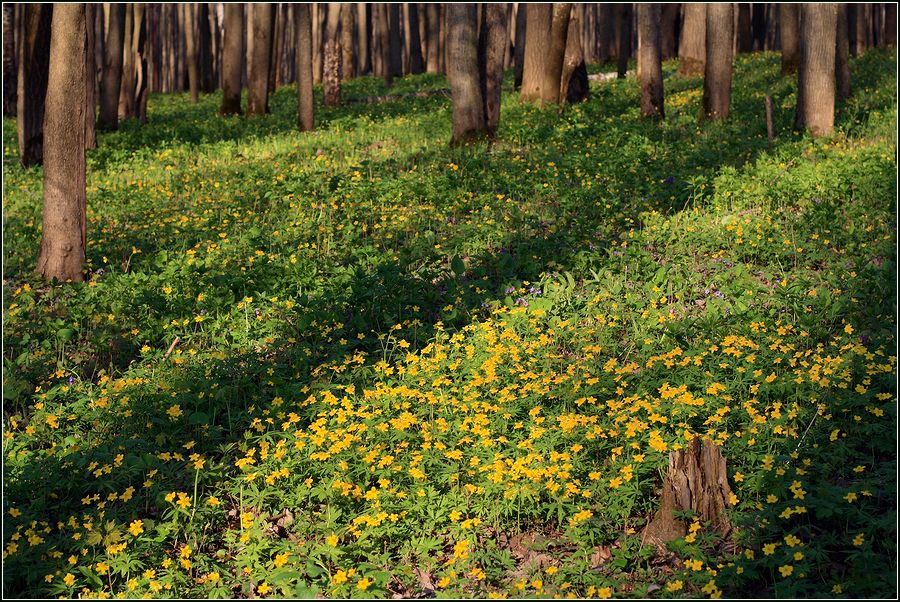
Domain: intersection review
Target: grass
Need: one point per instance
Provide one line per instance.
(358, 363)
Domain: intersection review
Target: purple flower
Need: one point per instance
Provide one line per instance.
(71, 380)
(510, 290)
(521, 301)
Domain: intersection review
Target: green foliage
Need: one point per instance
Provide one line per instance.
(356, 362)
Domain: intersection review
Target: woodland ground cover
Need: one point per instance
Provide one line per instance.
(404, 368)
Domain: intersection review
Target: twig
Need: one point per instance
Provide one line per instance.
(171, 347)
(819, 408)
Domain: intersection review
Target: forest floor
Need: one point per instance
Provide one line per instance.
(358, 363)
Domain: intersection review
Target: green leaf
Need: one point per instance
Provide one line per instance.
(457, 265)
(198, 418)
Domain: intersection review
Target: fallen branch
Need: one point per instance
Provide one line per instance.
(171, 347)
(396, 97)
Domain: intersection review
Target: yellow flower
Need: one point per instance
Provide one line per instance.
(786, 570)
(69, 579)
(769, 549)
(136, 527)
(332, 540)
(674, 586)
(363, 584)
(213, 501)
(859, 539)
(281, 559)
(263, 588)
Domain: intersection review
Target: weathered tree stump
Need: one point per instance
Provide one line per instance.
(696, 481)
(333, 73)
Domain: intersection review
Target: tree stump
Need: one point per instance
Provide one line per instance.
(696, 481)
(331, 79)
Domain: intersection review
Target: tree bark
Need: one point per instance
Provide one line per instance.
(139, 40)
(624, 16)
(383, 43)
(433, 40)
(668, 29)
(758, 25)
(34, 61)
(606, 30)
(890, 25)
(842, 56)
(364, 37)
(112, 68)
(205, 49)
(546, 30)
(126, 87)
(258, 76)
(64, 232)
(9, 60)
(348, 19)
(744, 41)
(331, 78)
(717, 71)
(492, 45)
(416, 63)
(650, 61)
(815, 81)
(573, 87)
(862, 37)
(303, 30)
(90, 74)
(462, 73)
(692, 50)
(395, 44)
(232, 58)
(789, 16)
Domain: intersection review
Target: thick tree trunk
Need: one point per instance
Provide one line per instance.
(519, 68)
(692, 50)
(863, 37)
(744, 40)
(64, 232)
(668, 30)
(90, 74)
(815, 81)
(126, 88)
(624, 16)
(758, 25)
(842, 56)
(789, 17)
(416, 63)
(258, 76)
(192, 56)
(34, 61)
(112, 68)
(433, 27)
(606, 30)
(395, 43)
(650, 61)
(573, 87)
(364, 37)
(462, 73)
(383, 43)
(205, 49)
(331, 78)
(492, 48)
(9, 60)
(348, 18)
(546, 30)
(303, 30)
(717, 72)
(232, 58)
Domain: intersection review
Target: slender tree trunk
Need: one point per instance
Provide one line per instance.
(90, 74)
(382, 29)
(744, 41)
(863, 15)
(650, 61)
(624, 19)
(462, 72)
(605, 32)
(126, 88)
(815, 81)
(348, 19)
(890, 25)
(258, 86)
(205, 49)
(521, 15)
(668, 29)
(232, 58)
(140, 69)
(717, 72)
(842, 56)
(34, 60)
(364, 37)
(64, 232)
(789, 17)
(276, 28)
(303, 29)
(112, 68)
(192, 57)
(758, 25)
(416, 64)
(433, 30)
(331, 78)
(9, 60)
(492, 48)
(395, 44)
(573, 87)
(692, 50)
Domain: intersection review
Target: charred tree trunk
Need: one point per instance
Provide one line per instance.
(717, 72)
(650, 61)
(112, 68)
(433, 27)
(64, 232)
(789, 17)
(303, 30)
(258, 76)
(232, 58)
(573, 87)
(416, 63)
(34, 62)
(815, 81)
(9, 60)
(462, 73)
(692, 50)
(624, 15)
(492, 45)
(842, 56)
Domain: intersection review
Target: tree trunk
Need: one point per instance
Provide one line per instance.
(34, 61)
(364, 37)
(650, 61)
(331, 77)
(519, 69)
(668, 29)
(863, 14)
(232, 58)
(744, 41)
(205, 49)
(758, 25)
(383, 43)
(140, 52)
(9, 60)
(433, 46)
(112, 68)
(842, 56)
(462, 73)
(274, 51)
(492, 48)
(692, 50)
(546, 30)
(303, 30)
(573, 87)
(395, 43)
(816, 71)
(624, 15)
(190, 31)
(606, 29)
(890, 25)
(789, 16)
(126, 88)
(416, 63)
(64, 232)
(348, 19)
(717, 72)
(258, 76)
(90, 74)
